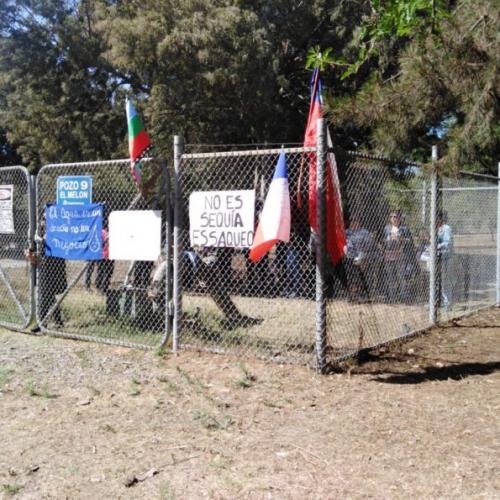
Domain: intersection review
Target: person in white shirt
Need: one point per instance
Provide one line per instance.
(444, 254)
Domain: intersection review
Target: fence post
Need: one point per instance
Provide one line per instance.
(320, 246)
(177, 286)
(498, 239)
(168, 313)
(433, 240)
(31, 239)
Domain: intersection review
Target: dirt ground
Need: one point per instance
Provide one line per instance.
(417, 420)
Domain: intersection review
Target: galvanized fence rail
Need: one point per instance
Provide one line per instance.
(16, 286)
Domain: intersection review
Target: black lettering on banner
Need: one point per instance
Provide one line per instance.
(238, 221)
(212, 238)
(229, 202)
(239, 200)
(211, 220)
(204, 238)
(204, 219)
(220, 219)
(208, 202)
(222, 240)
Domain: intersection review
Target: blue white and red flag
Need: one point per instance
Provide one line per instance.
(274, 222)
(335, 230)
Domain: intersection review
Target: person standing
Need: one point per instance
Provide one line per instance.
(51, 280)
(398, 257)
(444, 254)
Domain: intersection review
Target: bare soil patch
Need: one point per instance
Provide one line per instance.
(419, 419)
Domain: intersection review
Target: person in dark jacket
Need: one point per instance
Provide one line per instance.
(399, 258)
(51, 280)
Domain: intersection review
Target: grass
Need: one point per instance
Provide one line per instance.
(12, 489)
(210, 422)
(247, 379)
(166, 491)
(134, 391)
(34, 391)
(5, 375)
(109, 428)
(93, 390)
(170, 386)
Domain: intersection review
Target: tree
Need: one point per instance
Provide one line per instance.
(223, 71)
(442, 87)
(57, 92)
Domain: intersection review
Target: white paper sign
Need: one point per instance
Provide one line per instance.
(134, 235)
(6, 211)
(222, 218)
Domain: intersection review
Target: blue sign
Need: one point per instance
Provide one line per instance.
(74, 233)
(74, 190)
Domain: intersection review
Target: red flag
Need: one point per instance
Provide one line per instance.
(335, 231)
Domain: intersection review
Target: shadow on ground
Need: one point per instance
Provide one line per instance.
(456, 371)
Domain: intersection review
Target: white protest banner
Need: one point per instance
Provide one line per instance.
(6, 209)
(135, 235)
(222, 218)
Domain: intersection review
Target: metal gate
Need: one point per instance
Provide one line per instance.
(230, 304)
(117, 302)
(16, 284)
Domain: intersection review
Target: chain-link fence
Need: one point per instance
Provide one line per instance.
(16, 302)
(229, 303)
(380, 291)
(468, 271)
(390, 284)
(113, 301)
(418, 250)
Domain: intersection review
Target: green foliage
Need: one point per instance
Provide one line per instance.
(393, 21)
(57, 94)
(442, 88)
(211, 422)
(232, 71)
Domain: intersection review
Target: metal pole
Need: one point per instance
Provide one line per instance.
(168, 313)
(498, 239)
(424, 201)
(177, 286)
(433, 241)
(320, 246)
(31, 239)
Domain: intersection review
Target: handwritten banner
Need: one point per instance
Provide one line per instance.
(74, 233)
(222, 218)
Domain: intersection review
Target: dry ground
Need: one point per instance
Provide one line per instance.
(421, 420)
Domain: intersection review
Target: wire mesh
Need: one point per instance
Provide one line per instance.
(468, 241)
(15, 276)
(113, 301)
(380, 290)
(230, 304)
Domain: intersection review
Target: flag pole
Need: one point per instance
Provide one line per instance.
(301, 168)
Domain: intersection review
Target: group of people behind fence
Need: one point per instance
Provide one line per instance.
(394, 268)
(389, 266)
(385, 266)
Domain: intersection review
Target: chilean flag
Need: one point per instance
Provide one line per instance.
(274, 222)
(335, 231)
